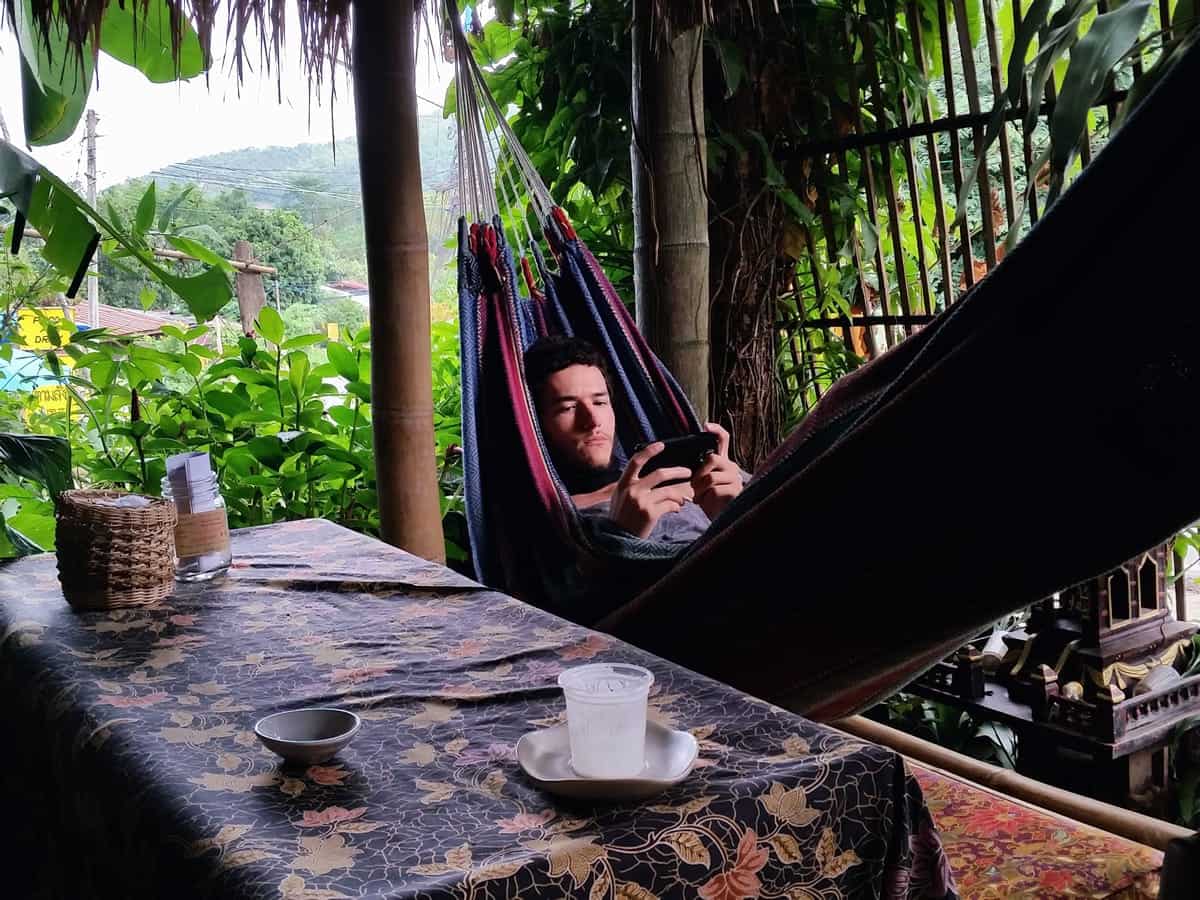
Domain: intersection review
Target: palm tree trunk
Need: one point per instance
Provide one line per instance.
(398, 270)
(670, 207)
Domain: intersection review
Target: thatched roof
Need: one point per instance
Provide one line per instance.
(669, 17)
(255, 27)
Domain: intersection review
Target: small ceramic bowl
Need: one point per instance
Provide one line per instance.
(308, 736)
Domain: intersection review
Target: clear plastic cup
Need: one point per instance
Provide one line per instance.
(606, 718)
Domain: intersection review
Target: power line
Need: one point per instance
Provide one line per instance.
(265, 181)
(241, 185)
(259, 173)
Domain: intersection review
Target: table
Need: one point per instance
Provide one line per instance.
(1001, 847)
(131, 769)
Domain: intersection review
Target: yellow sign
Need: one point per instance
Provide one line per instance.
(52, 398)
(331, 330)
(31, 326)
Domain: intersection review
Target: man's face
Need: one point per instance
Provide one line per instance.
(577, 416)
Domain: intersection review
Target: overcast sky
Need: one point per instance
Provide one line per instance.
(146, 126)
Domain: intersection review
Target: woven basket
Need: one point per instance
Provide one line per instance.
(110, 557)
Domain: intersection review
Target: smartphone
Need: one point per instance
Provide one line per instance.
(689, 451)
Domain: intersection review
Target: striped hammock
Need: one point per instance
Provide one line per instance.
(1053, 399)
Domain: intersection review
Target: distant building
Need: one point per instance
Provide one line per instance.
(348, 287)
(349, 290)
(128, 322)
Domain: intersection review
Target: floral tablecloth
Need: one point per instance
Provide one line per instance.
(131, 769)
(1001, 848)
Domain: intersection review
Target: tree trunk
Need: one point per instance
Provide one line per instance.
(748, 275)
(398, 269)
(748, 268)
(670, 207)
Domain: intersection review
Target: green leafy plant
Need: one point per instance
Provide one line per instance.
(1185, 769)
(289, 438)
(286, 418)
(56, 79)
(1097, 47)
(33, 470)
(72, 230)
(569, 61)
(955, 729)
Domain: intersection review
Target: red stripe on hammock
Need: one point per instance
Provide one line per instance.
(507, 335)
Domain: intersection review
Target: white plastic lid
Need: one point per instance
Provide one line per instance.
(606, 682)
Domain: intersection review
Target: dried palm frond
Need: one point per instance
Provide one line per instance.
(669, 17)
(324, 27)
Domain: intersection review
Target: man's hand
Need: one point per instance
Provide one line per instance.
(637, 503)
(717, 481)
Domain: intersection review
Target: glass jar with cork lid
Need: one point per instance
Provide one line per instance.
(202, 548)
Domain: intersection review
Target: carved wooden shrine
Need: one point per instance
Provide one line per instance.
(1091, 685)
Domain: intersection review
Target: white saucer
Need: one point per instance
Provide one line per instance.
(546, 758)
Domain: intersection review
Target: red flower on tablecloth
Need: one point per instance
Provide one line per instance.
(586, 649)
(1057, 881)
(998, 818)
(331, 815)
(182, 621)
(122, 702)
(326, 774)
(741, 881)
(525, 821)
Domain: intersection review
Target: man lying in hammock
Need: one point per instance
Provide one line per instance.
(569, 381)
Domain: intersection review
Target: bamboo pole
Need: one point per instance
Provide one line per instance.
(250, 268)
(398, 267)
(1125, 823)
(670, 219)
(178, 255)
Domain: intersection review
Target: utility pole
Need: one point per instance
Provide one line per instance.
(93, 284)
